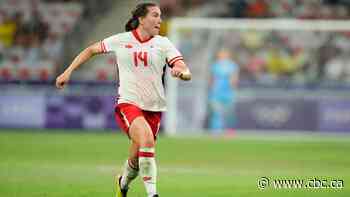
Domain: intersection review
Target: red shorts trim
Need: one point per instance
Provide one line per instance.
(125, 114)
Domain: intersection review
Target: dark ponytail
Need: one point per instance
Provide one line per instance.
(141, 10)
(132, 24)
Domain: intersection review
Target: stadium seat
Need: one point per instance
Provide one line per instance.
(23, 74)
(102, 75)
(44, 74)
(5, 73)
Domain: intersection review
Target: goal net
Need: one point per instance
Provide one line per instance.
(308, 52)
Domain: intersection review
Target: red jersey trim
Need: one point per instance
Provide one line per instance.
(172, 59)
(137, 36)
(175, 59)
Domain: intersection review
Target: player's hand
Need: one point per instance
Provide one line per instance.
(180, 73)
(186, 75)
(62, 80)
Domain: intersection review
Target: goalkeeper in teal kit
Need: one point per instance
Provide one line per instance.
(222, 96)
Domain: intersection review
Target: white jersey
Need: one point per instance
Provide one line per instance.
(141, 68)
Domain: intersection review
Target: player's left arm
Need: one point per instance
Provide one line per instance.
(181, 71)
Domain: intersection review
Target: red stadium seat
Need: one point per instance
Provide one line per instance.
(102, 75)
(44, 74)
(24, 74)
(5, 73)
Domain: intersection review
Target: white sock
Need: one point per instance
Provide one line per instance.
(129, 173)
(148, 170)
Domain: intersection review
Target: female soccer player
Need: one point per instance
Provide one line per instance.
(141, 56)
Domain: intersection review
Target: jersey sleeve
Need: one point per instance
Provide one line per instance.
(109, 44)
(172, 54)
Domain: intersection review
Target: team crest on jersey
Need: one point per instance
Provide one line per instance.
(128, 46)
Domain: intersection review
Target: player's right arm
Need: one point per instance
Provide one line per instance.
(83, 56)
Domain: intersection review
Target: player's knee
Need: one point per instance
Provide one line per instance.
(147, 141)
(143, 135)
(145, 138)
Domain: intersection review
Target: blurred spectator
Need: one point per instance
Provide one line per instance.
(277, 62)
(324, 54)
(237, 8)
(224, 80)
(7, 31)
(37, 27)
(52, 47)
(33, 51)
(255, 67)
(31, 41)
(304, 9)
(334, 69)
(257, 9)
(171, 8)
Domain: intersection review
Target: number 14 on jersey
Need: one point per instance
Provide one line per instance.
(140, 57)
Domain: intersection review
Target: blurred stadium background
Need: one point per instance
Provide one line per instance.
(291, 117)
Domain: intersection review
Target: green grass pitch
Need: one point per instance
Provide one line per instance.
(55, 164)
